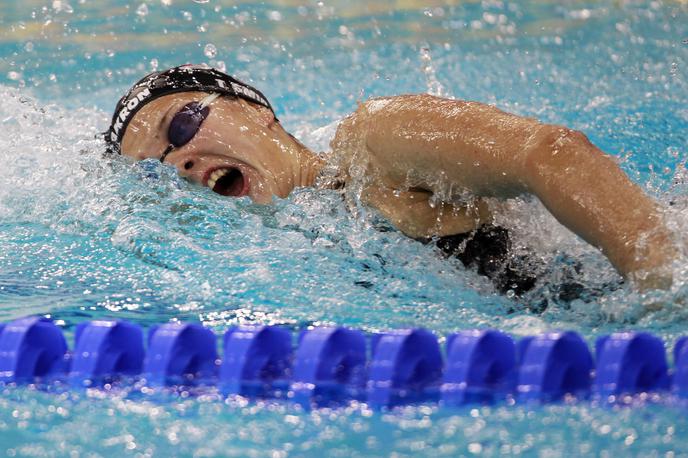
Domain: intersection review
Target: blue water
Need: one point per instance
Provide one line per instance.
(83, 238)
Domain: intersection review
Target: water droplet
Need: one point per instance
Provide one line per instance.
(166, 2)
(28, 47)
(62, 7)
(154, 65)
(201, 1)
(187, 15)
(210, 51)
(275, 16)
(142, 10)
(674, 69)
(53, 77)
(220, 65)
(14, 76)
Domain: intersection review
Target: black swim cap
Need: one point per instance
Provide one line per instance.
(178, 79)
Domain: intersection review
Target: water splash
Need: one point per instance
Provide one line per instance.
(434, 85)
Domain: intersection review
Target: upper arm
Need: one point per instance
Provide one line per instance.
(473, 146)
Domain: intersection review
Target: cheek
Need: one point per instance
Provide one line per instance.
(142, 150)
(245, 140)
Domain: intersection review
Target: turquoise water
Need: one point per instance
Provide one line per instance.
(84, 238)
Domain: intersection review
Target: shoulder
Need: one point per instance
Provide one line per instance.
(405, 101)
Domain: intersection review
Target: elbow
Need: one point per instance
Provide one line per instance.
(553, 150)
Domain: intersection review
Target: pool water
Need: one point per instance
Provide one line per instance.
(82, 237)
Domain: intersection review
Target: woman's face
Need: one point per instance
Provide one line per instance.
(239, 149)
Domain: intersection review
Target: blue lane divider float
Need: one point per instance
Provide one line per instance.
(103, 349)
(31, 348)
(257, 361)
(180, 353)
(680, 382)
(329, 366)
(630, 363)
(480, 367)
(552, 365)
(406, 367)
(332, 365)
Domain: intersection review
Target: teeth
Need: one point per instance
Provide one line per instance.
(216, 175)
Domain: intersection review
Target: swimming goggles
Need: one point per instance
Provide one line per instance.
(178, 79)
(186, 123)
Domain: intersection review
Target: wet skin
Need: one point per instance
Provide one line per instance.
(409, 148)
(236, 135)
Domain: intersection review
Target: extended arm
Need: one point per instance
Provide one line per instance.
(588, 193)
(488, 152)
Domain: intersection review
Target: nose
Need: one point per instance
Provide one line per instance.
(185, 162)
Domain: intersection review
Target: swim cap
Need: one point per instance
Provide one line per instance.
(178, 79)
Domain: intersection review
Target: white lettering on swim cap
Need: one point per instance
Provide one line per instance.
(117, 126)
(239, 89)
(123, 114)
(133, 103)
(125, 111)
(143, 94)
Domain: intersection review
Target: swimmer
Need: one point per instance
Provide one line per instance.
(403, 152)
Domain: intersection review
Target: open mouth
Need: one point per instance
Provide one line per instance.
(228, 182)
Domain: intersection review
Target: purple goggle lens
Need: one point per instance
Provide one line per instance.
(186, 123)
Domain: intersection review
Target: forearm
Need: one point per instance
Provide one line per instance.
(587, 192)
(410, 212)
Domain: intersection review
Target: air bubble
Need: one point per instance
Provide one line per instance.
(153, 65)
(187, 15)
(210, 51)
(28, 47)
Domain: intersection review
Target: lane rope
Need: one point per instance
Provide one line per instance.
(331, 365)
